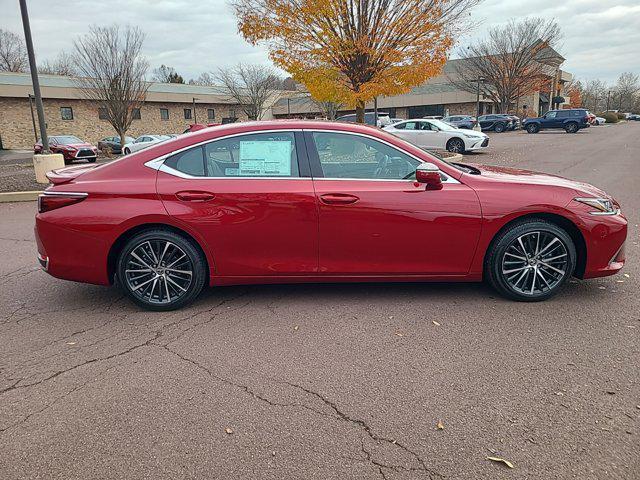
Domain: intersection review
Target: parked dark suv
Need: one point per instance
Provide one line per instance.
(461, 121)
(497, 122)
(571, 120)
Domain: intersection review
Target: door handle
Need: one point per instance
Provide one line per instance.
(195, 196)
(338, 199)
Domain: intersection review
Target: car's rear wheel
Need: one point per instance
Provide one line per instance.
(533, 128)
(571, 127)
(455, 145)
(500, 127)
(530, 260)
(161, 270)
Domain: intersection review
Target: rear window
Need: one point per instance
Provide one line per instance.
(190, 162)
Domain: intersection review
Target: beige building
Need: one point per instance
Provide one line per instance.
(439, 96)
(169, 108)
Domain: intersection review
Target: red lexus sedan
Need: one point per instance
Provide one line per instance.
(309, 201)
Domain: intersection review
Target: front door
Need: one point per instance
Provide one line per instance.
(250, 199)
(376, 220)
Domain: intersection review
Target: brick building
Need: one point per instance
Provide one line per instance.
(438, 96)
(168, 109)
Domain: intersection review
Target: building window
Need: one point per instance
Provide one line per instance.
(103, 114)
(211, 114)
(232, 113)
(164, 114)
(135, 114)
(187, 114)
(66, 113)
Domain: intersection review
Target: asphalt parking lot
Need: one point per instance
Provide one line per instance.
(331, 381)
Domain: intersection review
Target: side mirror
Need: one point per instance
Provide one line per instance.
(429, 174)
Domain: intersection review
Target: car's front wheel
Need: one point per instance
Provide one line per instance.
(455, 145)
(571, 127)
(127, 151)
(500, 127)
(533, 128)
(530, 260)
(161, 270)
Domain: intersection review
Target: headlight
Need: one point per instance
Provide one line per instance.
(476, 137)
(603, 206)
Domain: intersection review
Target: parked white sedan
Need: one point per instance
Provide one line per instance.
(143, 141)
(436, 134)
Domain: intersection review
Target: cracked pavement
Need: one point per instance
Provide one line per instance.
(330, 381)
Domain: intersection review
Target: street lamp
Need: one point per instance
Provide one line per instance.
(193, 99)
(480, 79)
(34, 76)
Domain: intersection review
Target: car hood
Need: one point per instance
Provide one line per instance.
(79, 145)
(528, 177)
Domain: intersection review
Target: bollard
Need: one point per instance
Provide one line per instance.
(45, 163)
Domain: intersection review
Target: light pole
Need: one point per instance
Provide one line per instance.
(194, 109)
(34, 75)
(478, 97)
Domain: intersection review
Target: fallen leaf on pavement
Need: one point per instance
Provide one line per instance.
(627, 275)
(436, 323)
(228, 431)
(440, 425)
(501, 460)
(71, 343)
(296, 328)
(399, 334)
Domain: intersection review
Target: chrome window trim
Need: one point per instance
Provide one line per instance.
(158, 163)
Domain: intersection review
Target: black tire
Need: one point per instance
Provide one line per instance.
(571, 127)
(503, 268)
(92, 160)
(533, 128)
(127, 151)
(499, 127)
(455, 145)
(143, 261)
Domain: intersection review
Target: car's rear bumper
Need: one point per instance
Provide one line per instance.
(69, 254)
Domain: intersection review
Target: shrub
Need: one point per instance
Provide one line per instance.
(611, 117)
(621, 116)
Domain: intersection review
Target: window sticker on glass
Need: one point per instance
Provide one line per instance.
(270, 158)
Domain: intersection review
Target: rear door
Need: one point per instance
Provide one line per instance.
(251, 198)
(376, 220)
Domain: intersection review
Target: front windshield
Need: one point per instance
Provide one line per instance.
(442, 125)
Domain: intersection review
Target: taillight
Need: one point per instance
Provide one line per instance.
(52, 200)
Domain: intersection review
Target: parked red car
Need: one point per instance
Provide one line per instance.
(72, 148)
(309, 201)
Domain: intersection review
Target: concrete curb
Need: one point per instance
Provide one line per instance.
(458, 157)
(30, 196)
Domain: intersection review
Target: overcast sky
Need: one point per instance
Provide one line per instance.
(601, 37)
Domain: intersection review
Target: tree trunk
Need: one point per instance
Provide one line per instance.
(360, 112)
(122, 142)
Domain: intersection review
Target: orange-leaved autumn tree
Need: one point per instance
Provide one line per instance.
(351, 51)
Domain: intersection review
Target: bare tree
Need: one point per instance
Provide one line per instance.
(13, 53)
(596, 96)
(251, 86)
(626, 91)
(112, 72)
(63, 64)
(205, 79)
(513, 61)
(164, 74)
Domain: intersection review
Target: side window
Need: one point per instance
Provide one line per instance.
(563, 114)
(410, 126)
(351, 156)
(253, 155)
(550, 115)
(424, 126)
(190, 162)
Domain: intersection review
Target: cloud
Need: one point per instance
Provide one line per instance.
(601, 37)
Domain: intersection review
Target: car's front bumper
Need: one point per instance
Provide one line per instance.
(605, 238)
(472, 144)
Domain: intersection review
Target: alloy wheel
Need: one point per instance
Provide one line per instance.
(158, 271)
(535, 263)
(456, 146)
